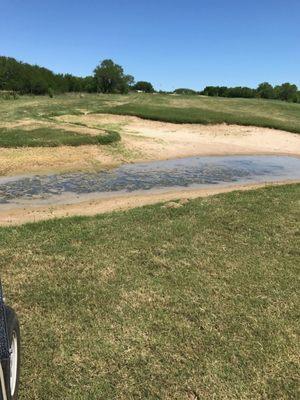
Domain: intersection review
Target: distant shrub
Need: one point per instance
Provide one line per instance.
(184, 91)
(110, 137)
(286, 92)
(143, 86)
(50, 92)
(265, 90)
(8, 95)
(221, 91)
(242, 91)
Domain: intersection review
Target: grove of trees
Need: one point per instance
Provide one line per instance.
(143, 86)
(285, 92)
(109, 77)
(184, 91)
(31, 79)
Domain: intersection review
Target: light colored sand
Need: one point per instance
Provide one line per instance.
(175, 140)
(144, 140)
(92, 207)
(161, 140)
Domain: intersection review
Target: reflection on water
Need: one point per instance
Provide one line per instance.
(185, 172)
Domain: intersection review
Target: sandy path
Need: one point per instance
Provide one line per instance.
(19, 216)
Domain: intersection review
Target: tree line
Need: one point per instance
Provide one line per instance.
(109, 77)
(25, 78)
(32, 79)
(286, 92)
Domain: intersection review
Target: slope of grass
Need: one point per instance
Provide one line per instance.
(39, 107)
(48, 137)
(204, 115)
(198, 302)
(179, 108)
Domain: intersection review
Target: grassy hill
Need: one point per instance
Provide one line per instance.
(171, 108)
(213, 110)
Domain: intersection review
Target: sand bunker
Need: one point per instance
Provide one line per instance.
(162, 140)
(143, 140)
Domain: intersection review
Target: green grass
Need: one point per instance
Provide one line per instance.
(210, 110)
(40, 107)
(48, 137)
(198, 302)
(178, 109)
(205, 116)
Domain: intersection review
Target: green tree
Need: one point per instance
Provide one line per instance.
(265, 91)
(184, 91)
(110, 78)
(25, 78)
(241, 91)
(144, 87)
(89, 84)
(286, 91)
(210, 91)
(221, 91)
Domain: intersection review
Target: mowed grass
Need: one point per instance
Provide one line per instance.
(198, 302)
(49, 137)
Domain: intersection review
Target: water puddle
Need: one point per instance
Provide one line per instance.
(192, 172)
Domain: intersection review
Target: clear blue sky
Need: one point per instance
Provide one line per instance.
(172, 43)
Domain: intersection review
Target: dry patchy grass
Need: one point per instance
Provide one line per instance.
(197, 302)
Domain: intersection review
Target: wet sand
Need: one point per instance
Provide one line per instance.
(21, 215)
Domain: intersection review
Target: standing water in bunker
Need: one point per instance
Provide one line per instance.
(192, 172)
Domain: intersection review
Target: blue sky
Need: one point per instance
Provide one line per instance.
(171, 43)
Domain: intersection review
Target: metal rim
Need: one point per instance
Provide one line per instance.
(13, 363)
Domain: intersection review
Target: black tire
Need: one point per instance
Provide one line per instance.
(13, 330)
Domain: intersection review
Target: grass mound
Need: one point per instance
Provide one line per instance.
(195, 302)
(47, 137)
(110, 137)
(178, 109)
(204, 116)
